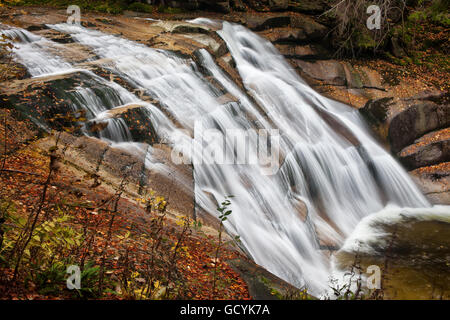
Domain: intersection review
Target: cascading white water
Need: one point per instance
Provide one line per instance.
(30, 50)
(339, 179)
(33, 52)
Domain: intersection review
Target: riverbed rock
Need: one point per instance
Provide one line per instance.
(55, 36)
(432, 148)
(285, 35)
(138, 120)
(285, 23)
(330, 71)
(260, 23)
(113, 163)
(309, 51)
(376, 111)
(311, 6)
(43, 100)
(416, 120)
(180, 27)
(326, 242)
(411, 252)
(263, 285)
(434, 182)
(125, 164)
(214, 45)
(49, 101)
(313, 29)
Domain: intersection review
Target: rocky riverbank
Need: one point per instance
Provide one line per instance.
(410, 116)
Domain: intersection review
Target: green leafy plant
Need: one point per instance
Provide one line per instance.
(224, 212)
(49, 280)
(89, 280)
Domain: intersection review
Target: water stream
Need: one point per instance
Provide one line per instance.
(328, 160)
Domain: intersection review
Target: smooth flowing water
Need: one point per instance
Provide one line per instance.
(95, 96)
(328, 161)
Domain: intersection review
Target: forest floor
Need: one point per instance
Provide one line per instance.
(127, 248)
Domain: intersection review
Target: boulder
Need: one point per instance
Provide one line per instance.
(46, 101)
(302, 210)
(215, 46)
(308, 6)
(415, 251)
(36, 27)
(309, 51)
(263, 285)
(326, 241)
(112, 164)
(434, 182)
(85, 153)
(285, 35)
(339, 127)
(376, 111)
(229, 68)
(329, 71)
(260, 23)
(433, 148)
(56, 36)
(416, 120)
(181, 27)
(313, 29)
(138, 121)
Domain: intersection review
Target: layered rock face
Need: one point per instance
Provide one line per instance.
(417, 129)
(51, 100)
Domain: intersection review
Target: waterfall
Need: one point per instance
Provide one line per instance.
(95, 96)
(329, 161)
(31, 50)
